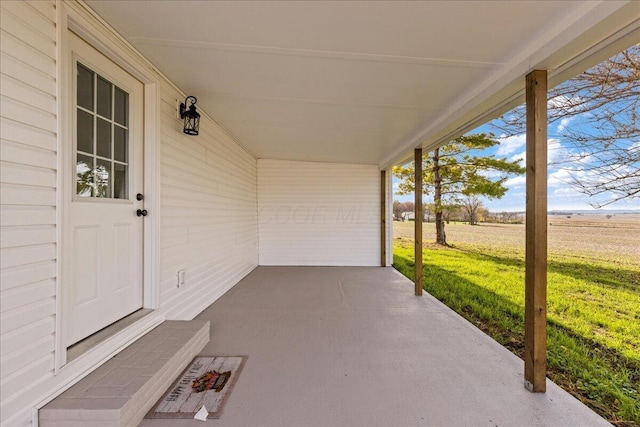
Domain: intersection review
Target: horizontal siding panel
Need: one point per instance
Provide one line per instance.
(46, 8)
(19, 419)
(24, 113)
(173, 209)
(12, 194)
(27, 215)
(31, 374)
(178, 174)
(16, 410)
(25, 274)
(15, 256)
(29, 58)
(20, 338)
(19, 236)
(194, 223)
(27, 355)
(318, 213)
(175, 155)
(17, 152)
(176, 242)
(28, 20)
(27, 136)
(16, 89)
(206, 256)
(194, 150)
(217, 153)
(20, 70)
(12, 173)
(171, 232)
(16, 27)
(23, 316)
(205, 199)
(175, 258)
(15, 298)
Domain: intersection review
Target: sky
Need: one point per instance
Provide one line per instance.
(561, 195)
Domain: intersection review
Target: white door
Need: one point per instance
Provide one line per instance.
(105, 231)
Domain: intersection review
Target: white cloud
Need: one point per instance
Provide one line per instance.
(570, 104)
(491, 173)
(559, 178)
(564, 122)
(516, 182)
(583, 158)
(556, 151)
(561, 194)
(567, 192)
(511, 144)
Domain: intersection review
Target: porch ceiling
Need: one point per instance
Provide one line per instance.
(361, 82)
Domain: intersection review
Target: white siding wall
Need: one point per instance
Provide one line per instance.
(28, 160)
(209, 222)
(318, 213)
(208, 209)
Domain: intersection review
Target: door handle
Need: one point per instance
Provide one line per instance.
(142, 212)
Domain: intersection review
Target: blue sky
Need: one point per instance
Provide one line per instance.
(561, 196)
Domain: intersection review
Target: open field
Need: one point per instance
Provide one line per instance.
(590, 236)
(593, 298)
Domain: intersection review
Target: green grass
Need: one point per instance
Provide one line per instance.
(593, 310)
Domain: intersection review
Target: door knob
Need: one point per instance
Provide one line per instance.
(141, 212)
(139, 196)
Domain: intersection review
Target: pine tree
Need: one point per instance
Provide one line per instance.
(456, 171)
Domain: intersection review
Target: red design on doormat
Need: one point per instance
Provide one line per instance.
(211, 380)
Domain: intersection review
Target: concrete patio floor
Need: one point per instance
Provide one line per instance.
(352, 346)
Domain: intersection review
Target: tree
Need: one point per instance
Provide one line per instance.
(471, 207)
(400, 208)
(508, 217)
(603, 142)
(397, 210)
(428, 209)
(483, 214)
(407, 207)
(455, 171)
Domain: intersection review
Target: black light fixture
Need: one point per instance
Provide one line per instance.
(191, 117)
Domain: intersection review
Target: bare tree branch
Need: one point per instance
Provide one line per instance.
(597, 115)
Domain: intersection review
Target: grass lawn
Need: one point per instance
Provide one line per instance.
(593, 308)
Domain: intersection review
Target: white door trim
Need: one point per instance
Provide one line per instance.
(76, 17)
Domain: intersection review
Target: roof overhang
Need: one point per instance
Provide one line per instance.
(365, 82)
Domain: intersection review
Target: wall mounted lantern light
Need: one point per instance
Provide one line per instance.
(191, 117)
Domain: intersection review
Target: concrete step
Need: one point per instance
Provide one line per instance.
(121, 392)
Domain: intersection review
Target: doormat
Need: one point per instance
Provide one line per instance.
(207, 382)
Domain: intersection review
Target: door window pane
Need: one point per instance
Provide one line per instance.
(121, 107)
(103, 136)
(103, 178)
(120, 144)
(120, 182)
(84, 176)
(104, 98)
(85, 132)
(85, 88)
